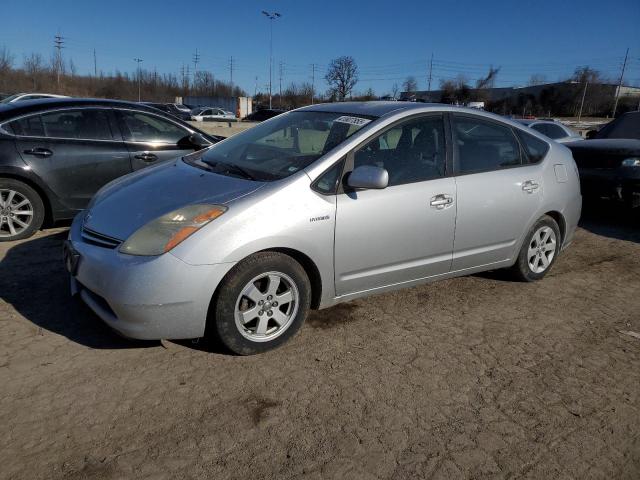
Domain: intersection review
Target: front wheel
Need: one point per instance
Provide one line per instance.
(262, 302)
(21, 210)
(539, 251)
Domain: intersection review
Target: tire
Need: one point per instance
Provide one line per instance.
(15, 223)
(253, 320)
(539, 250)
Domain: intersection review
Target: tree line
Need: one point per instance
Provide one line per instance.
(37, 74)
(55, 75)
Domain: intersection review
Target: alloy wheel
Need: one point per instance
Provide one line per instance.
(542, 249)
(266, 306)
(16, 213)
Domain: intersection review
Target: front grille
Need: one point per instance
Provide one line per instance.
(98, 239)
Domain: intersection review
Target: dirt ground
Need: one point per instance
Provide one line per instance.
(476, 377)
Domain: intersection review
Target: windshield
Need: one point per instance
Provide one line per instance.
(8, 99)
(281, 146)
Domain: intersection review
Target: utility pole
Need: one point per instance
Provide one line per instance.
(313, 81)
(617, 93)
(271, 16)
(255, 90)
(95, 64)
(280, 90)
(231, 73)
(58, 44)
(584, 93)
(430, 73)
(138, 61)
(196, 60)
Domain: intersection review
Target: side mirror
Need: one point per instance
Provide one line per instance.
(368, 176)
(591, 134)
(198, 141)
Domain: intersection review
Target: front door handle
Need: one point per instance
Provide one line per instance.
(147, 157)
(441, 201)
(529, 186)
(39, 152)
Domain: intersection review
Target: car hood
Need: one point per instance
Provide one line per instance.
(617, 146)
(130, 202)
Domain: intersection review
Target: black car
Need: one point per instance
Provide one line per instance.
(609, 161)
(262, 115)
(171, 109)
(56, 153)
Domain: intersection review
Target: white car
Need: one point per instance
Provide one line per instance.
(182, 108)
(212, 114)
(554, 130)
(19, 97)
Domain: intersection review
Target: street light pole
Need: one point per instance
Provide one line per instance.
(138, 61)
(271, 16)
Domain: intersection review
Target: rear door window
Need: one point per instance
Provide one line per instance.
(84, 124)
(482, 145)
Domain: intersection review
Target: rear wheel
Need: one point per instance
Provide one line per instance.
(539, 251)
(261, 303)
(21, 210)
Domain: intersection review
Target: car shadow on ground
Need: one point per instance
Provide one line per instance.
(611, 219)
(35, 283)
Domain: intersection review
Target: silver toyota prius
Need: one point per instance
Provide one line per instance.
(318, 206)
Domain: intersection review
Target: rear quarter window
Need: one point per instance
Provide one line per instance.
(535, 149)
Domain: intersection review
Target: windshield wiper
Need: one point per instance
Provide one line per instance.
(231, 168)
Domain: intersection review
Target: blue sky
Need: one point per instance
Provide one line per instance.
(389, 40)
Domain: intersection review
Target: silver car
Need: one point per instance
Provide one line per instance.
(554, 130)
(315, 207)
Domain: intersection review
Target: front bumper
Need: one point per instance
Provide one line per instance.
(146, 298)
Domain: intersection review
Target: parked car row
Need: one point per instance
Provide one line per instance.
(55, 154)
(311, 208)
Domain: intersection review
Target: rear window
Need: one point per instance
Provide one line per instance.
(534, 148)
(28, 126)
(626, 126)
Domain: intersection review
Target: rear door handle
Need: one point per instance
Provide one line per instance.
(529, 186)
(441, 201)
(147, 157)
(39, 152)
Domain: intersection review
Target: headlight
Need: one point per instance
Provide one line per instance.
(164, 233)
(631, 162)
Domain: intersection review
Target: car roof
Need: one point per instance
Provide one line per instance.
(10, 110)
(375, 108)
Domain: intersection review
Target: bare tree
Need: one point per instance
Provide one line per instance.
(394, 91)
(342, 76)
(34, 66)
(410, 84)
(6, 60)
(537, 79)
(488, 81)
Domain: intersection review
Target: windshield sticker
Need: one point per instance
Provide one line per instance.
(352, 120)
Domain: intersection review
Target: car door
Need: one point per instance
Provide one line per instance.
(75, 151)
(498, 193)
(151, 138)
(405, 231)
